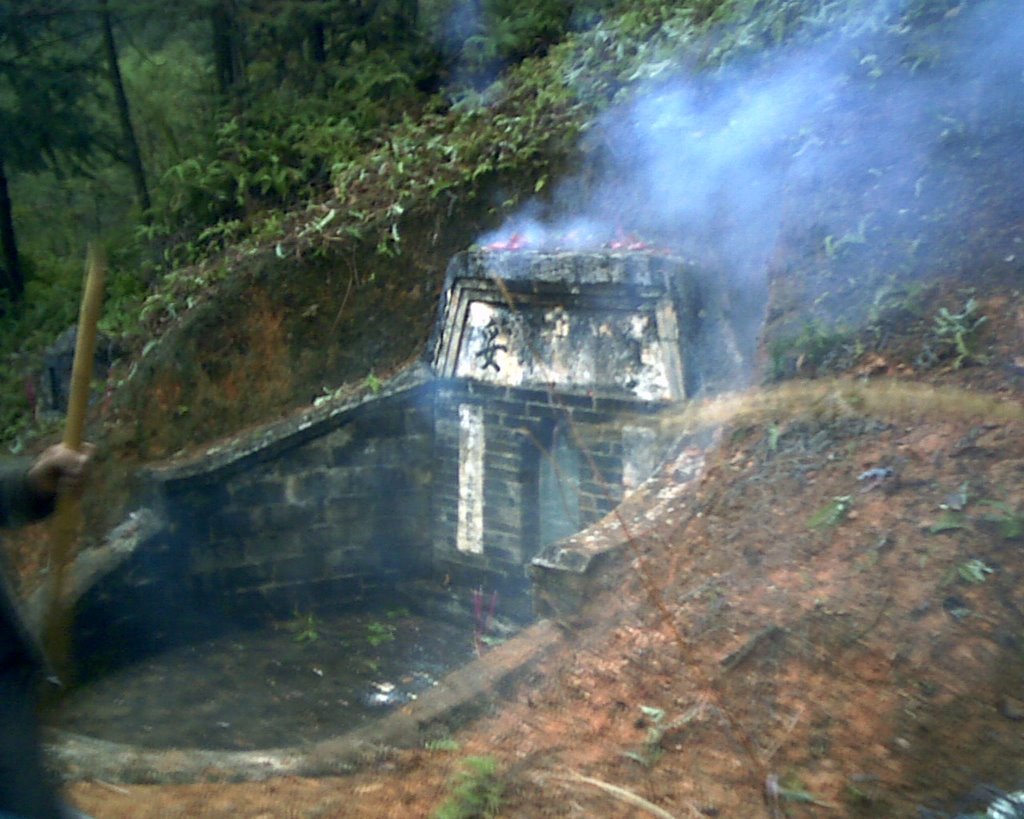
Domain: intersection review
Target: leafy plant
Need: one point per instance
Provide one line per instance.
(378, 633)
(814, 347)
(894, 302)
(833, 513)
(652, 749)
(955, 333)
(952, 507)
(443, 744)
(948, 521)
(1009, 520)
(305, 628)
(477, 791)
(974, 571)
(834, 246)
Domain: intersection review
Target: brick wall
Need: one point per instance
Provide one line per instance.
(334, 516)
(540, 453)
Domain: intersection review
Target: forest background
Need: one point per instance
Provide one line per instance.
(168, 131)
(185, 135)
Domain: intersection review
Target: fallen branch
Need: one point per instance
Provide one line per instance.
(619, 793)
(744, 652)
(112, 787)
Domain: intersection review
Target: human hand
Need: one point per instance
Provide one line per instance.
(60, 466)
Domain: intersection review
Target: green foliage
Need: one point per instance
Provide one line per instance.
(357, 129)
(833, 513)
(306, 628)
(894, 301)
(502, 32)
(950, 520)
(444, 744)
(476, 792)
(50, 306)
(954, 333)
(378, 633)
(834, 246)
(658, 727)
(1010, 521)
(254, 163)
(46, 86)
(752, 27)
(974, 571)
(815, 347)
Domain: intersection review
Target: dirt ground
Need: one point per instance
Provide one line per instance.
(808, 638)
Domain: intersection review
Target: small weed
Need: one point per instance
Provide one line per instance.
(833, 513)
(948, 521)
(974, 571)
(814, 348)
(857, 796)
(378, 633)
(476, 792)
(327, 395)
(374, 384)
(305, 628)
(894, 303)
(791, 791)
(834, 246)
(1009, 520)
(652, 750)
(954, 333)
(444, 744)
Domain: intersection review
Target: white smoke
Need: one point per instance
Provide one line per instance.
(859, 139)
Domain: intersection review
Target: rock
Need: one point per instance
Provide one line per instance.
(1012, 708)
(54, 381)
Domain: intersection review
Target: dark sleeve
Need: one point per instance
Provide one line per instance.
(19, 504)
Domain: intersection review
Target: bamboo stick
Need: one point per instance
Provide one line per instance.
(57, 625)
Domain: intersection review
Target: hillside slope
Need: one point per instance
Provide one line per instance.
(835, 610)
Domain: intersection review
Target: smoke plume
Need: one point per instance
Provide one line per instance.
(868, 145)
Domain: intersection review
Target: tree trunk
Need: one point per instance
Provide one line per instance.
(318, 42)
(12, 279)
(407, 19)
(227, 47)
(124, 113)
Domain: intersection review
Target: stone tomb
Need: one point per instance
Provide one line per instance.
(531, 415)
(549, 367)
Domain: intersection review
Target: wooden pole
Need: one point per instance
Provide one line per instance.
(57, 626)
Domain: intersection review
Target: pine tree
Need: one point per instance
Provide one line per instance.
(45, 119)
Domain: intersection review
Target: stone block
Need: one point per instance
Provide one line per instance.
(234, 521)
(307, 488)
(257, 493)
(314, 455)
(297, 569)
(283, 516)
